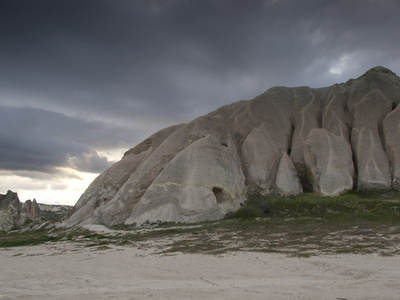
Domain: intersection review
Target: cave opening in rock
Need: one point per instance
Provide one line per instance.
(219, 194)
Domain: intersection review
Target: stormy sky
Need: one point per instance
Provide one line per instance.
(82, 81)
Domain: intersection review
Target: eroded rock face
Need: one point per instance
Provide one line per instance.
(334, 117)
(328, 158)
(261, 154)
(13, 213)
(372, 161)
(30, 211)
(10, 208)
(284, 141)
(391, 131)
(203, 182)
(287, 183)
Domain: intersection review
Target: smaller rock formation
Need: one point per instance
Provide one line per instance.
(30, 211)
(13, 213)
(328, 159)
(287, 182)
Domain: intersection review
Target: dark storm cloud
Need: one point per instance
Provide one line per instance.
(150, 57)
(146, 64)
(38, 140)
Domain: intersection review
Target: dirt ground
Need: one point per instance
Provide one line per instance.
(65, 270)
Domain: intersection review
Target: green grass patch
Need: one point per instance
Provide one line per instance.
(28, 241)
(363, 206)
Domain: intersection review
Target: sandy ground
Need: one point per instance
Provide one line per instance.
(66, 271)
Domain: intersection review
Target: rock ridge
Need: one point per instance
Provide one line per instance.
(285, 141)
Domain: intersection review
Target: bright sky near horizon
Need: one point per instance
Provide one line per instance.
(82, 81)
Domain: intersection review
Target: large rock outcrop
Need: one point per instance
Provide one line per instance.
(284, 141)
(13, 213)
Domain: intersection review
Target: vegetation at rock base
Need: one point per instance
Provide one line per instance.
(377, 206)
(27, 238)
(358, 222)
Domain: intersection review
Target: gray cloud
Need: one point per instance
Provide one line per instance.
(101, 73)
(39, 140)
(89, 162)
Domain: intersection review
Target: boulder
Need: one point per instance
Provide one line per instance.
(329, 163)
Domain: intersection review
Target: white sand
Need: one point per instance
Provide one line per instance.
(65, 271)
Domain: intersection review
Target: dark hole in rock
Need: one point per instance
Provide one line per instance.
(219, 194)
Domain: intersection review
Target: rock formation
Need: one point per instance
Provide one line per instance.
(284, 141)
(329, 163)
(391, 131)
(13, 213)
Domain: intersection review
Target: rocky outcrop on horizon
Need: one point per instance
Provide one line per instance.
(13, 213)
(285, 141)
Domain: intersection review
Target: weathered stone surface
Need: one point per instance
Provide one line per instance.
(378, 78)
(287, 182)
(10, 202)
(261, 153)
(334, 117)
(308, 105)
(329, 163)
(391, 131)
(13, 213)
(203, 182)
(265, 138)
(372, 162)
(30, 211)
(102, 192)
(10, 209)
(6, 221)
